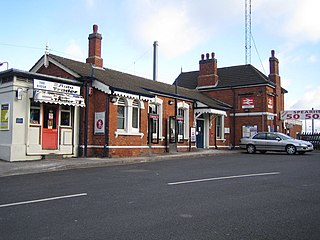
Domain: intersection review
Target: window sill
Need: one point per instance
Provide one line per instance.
(120, 133)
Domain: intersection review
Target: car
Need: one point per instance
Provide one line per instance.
(275, 141)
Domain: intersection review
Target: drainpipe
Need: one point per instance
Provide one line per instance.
(234, 118)
(86, 121)
(87, 113)
(106, 120)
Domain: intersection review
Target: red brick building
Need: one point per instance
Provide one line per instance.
(256, 99)
(126, 115)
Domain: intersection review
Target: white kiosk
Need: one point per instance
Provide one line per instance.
(39, 116)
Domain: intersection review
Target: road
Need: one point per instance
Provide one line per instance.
(236, 196)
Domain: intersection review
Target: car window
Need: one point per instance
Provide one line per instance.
(271, 136)
(260, 136)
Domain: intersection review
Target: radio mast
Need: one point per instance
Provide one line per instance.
(248, 31)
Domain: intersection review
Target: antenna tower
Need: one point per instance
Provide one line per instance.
(248, 31)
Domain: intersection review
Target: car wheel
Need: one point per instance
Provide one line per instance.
(251, 148)
(263, 151)
(290, 149)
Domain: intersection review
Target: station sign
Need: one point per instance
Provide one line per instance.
(300, 115)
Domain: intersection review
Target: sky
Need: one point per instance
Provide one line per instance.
(184, 29)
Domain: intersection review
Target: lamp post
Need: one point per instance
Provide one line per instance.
(1, 63)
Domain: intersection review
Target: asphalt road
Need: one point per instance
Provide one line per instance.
(236, 196)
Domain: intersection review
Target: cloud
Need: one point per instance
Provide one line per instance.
(294, 20)
(73, 49)
(312, 59)
(179, 26)
(304, 23)
(310, 99)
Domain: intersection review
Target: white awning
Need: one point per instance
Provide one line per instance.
(58, 98)
(210, 110)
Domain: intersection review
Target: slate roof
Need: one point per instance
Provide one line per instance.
(119, 81)
(234, 76)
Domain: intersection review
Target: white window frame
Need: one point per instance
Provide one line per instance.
(158, 103)
(221, 127)
(129, 104)
(183, 105)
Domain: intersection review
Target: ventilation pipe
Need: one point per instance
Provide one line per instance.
(155, 60)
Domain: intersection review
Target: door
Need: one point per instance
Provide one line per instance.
(50, 129)
(200, 134)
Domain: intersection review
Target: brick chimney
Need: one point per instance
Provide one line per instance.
(94, 56)
(208, 74)
(274, 67)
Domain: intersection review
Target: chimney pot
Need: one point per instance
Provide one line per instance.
(272, 53)
(212, 55)
(202, 56)
(95, 28)
(207, 55)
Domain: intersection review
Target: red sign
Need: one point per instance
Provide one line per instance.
(270, 102)
(247, 102)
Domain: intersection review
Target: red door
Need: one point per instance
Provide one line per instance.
(50, 129)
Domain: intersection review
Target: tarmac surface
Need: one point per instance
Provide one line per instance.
(41, 166)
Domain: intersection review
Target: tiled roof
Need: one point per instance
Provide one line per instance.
(120, 81)
(235, 76)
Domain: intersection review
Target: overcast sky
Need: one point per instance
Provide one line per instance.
(184, 30)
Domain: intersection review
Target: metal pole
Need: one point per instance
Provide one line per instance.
(155, 61)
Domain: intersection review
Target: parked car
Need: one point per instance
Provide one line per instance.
(275, 141)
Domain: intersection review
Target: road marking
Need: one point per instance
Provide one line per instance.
(43, 200)
(222, 178)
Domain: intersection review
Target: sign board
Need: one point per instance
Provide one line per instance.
(5, 112)
(300, 114)
(99, 124)
(270, 102)
(247, 102)
(249, 130)
(193, 134)
(56, 87)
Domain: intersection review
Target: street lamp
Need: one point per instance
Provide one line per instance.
(1, 63)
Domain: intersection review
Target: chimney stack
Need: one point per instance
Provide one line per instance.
(274, 64)
(208, 74)
(94, 55)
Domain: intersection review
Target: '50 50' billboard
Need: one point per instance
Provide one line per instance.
(300, 114)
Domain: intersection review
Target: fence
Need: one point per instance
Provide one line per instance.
(314, 138)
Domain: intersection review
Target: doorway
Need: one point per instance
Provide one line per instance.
(50, 129)
(200, 134)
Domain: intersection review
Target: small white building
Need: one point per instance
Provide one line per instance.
(39, 116)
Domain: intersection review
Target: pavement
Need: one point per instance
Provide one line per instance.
(51, 165)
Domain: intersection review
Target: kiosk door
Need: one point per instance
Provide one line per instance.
(50, 129)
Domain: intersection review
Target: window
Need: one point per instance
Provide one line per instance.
(260, 136)
(183, 111)
(155, 107)
(271, 136)
(35, 113)
(128, 116)
(135, 114)
(121, 113)
(219, 128)
(180, 122)
(65, 116)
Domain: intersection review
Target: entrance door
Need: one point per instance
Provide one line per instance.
(200, 133)
(50, 130)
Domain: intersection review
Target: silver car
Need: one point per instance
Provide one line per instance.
(274, 141)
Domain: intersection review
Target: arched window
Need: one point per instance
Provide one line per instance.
(135, 115)
(122, 112)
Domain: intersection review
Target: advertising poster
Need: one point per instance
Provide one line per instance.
(4, 125)
(99, 118)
